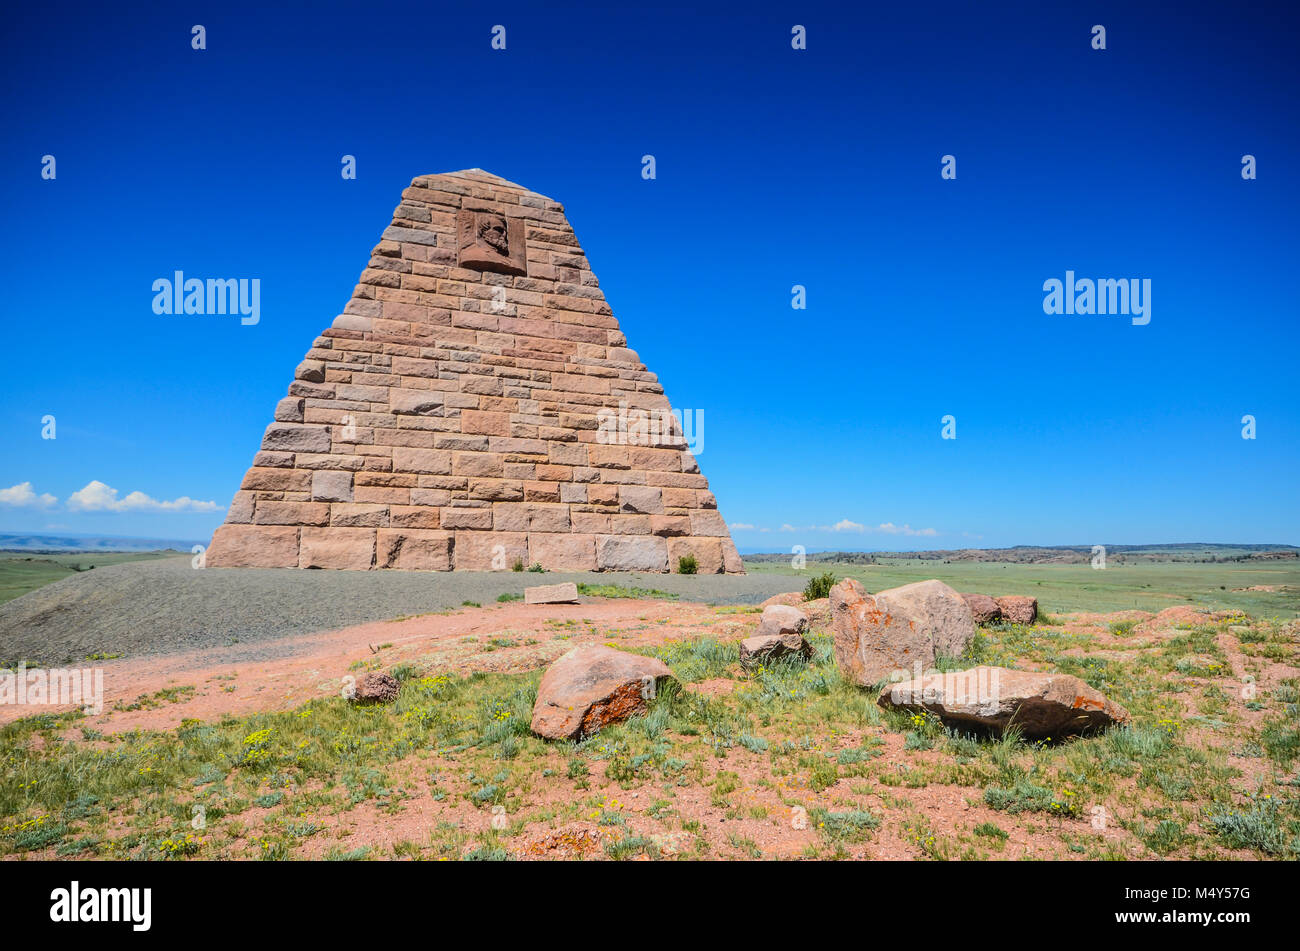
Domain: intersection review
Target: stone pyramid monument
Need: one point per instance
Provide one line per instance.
(475, 405)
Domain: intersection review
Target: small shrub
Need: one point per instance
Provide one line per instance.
(517, 565)
(991, 831)
(1025, 796)
(625, 848)
(354, 855)
(851, 826)
(536, 568)
(824, 775)
(1168, 836)
(819, 586)
(1257, 827)
(509, 596)
(687, 565)
(487, 853)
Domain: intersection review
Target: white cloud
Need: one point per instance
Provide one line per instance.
(889, 528)
(741, 527)
(23, 495)
(98, 497)
(846, 525)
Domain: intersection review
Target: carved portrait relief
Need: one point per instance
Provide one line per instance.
(491, 242)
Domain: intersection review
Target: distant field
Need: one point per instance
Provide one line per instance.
(21, 572)
(1061, 588)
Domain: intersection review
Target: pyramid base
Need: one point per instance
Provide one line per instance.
(363, 549)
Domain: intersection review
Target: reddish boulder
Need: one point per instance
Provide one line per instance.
(376, 688)
(591, 687)
(1017, 609)
(900, 629)
(983, 609)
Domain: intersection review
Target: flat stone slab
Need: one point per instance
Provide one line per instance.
(565, 593)
(1040, 705)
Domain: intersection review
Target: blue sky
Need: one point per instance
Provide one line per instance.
(775, 167)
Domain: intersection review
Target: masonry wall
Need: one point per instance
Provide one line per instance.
(449, 417)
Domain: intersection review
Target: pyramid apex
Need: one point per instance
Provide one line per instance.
(475, 175)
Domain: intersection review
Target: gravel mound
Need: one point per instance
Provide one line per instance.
(166, 606)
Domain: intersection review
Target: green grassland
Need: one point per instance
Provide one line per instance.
(1201, 773)
(21, 572)
(1065, 588)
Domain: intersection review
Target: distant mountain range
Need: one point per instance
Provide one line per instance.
(51, 544)
(1057, 554)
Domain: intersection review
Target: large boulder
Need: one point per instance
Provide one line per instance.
(780, 633)
(983, 609)
(1017, 609)
(899, 629)
(993, 698)
(591, 687)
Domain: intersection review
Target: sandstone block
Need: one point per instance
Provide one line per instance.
(290, 409)
(436, 461)
(451, 517)
(631, 553)
(563, 593)
(253, 546)
(291, 437)
(270, 512)
(416, 402)
(490, 551)
(331, 486)
(344, 548)
(707, 551)
(563, 551)
(358, 515)
(413, 550)
(640, 500)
